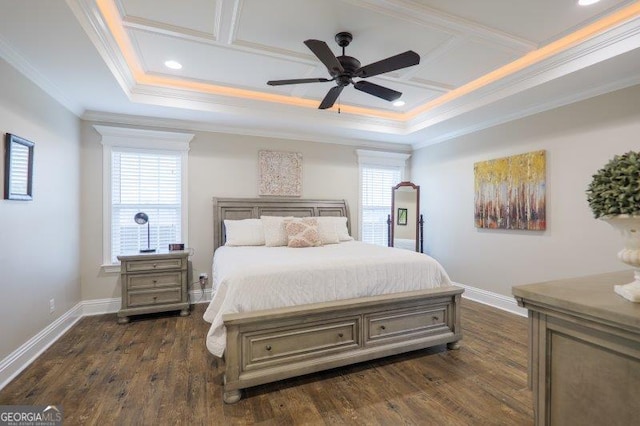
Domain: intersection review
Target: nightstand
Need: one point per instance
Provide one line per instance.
(153, 282)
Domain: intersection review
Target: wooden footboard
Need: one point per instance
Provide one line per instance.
(270, 345)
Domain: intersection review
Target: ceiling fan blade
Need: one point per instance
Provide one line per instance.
(379, 91)
(331, 97)
(326, 56)
(297, 81)
(402, 60)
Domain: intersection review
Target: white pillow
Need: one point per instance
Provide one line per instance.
(328, 230)
(275, 234)
(245, 232)
(341, 228)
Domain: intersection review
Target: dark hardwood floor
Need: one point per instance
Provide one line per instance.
(157, 370)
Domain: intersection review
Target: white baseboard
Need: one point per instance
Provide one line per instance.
(19, 359)
(199, 296)
(496, 300)
(100, 306)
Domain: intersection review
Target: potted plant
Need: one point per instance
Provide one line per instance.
(614, 196)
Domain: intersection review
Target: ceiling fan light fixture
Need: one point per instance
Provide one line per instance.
(587, 2)
(343, 69)
(398, 103)
(174, 65)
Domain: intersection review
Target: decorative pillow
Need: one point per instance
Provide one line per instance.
(302, 232)
(327, 230)
(340, 223)
(245, 232)
(274, 233)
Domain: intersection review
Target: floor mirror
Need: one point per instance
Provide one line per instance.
(405, 216)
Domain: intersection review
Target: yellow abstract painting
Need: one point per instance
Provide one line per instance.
(510, 192)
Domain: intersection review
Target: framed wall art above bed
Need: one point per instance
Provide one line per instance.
(280, 173)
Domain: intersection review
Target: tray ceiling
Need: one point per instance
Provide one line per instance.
(104, 59)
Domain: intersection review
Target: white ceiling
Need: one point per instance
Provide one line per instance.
(104, 60)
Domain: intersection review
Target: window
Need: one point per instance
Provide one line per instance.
(379, 172)
(144, 171)
(149, 182)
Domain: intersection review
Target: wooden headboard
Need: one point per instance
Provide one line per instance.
(253, 208)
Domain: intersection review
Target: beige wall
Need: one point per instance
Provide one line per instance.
(39, 239)
(579, 139)
(220, 165)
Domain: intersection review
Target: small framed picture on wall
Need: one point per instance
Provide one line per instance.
(18, 168)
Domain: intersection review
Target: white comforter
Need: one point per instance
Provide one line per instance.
(254, 278)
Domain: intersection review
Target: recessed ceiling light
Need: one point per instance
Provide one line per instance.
(398, 103)
(587, 2)
(174, 65)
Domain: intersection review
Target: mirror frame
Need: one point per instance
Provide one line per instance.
(393, 212)
(11, 141)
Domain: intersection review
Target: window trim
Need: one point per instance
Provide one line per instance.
(139, 139)
(384, 159)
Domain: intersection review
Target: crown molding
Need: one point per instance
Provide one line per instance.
(24, 67)
(607, 45)
(538, 108)
(201, 101)
(193, 126)
(90, 18)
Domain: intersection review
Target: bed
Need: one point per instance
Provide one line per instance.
(352, 302)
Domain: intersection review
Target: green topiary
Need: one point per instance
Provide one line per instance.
(615, 189)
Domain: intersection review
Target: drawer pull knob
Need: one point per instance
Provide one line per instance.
(435, 318)
(155, 281)
(155, 265)
(268, 347)
(155, 298)
(382, 327)
(340, 334)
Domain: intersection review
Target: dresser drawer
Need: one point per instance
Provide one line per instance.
(398, 324)
(154, 297)
(166, 279)
(300, 342)
(153, 265)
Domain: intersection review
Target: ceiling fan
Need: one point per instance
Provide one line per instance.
(344, 68)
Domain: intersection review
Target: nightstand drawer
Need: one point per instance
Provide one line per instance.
(154, 297)
(153, 265)
(166, 279)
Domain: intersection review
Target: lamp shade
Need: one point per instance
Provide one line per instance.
(141, 218)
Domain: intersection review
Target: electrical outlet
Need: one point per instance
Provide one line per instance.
(203, 278)
(52, 305)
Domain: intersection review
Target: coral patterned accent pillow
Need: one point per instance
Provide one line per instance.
(302, 232)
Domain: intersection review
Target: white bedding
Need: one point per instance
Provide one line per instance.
(254, 278)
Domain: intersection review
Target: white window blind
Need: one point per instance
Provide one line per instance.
(149, 182)
(377, 182)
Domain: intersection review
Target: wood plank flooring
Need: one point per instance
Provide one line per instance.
(157, 370)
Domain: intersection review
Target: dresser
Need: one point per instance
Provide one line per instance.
(153, 282)
(584, 351)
